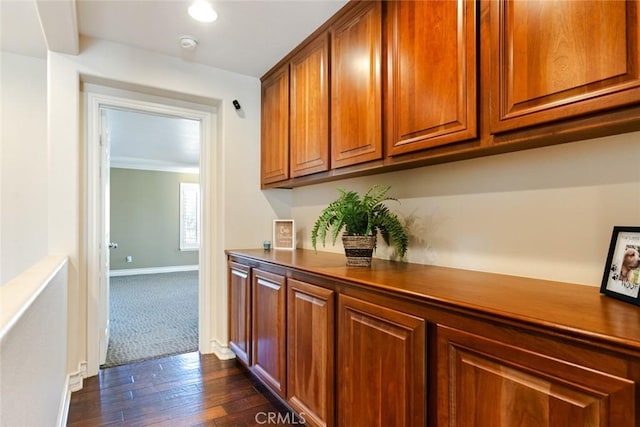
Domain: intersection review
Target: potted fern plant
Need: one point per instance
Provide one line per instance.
(362, 218)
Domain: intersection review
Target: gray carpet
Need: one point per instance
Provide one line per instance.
(152, 315)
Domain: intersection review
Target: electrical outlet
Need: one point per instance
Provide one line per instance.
(129, 258)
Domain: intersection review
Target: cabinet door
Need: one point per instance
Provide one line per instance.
(431, 74)
(310, 371)
(356, 106)
(275, 127)
(556, 59)
(482, 382)
(309, 127)
(268, 338)
(240, 311)
(381, 359)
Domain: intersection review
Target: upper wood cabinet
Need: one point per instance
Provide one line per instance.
(381, 366)
(309, 116)
(274, 152)
(389, 85)
(551, 60)
(239, 283)
(482, 382)
(268, 330)
(431, 74)
(356, 95)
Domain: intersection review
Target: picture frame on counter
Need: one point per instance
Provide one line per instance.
(284, 234)
(621, 277)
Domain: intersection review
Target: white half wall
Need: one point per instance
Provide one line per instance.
(34, 386)
(23, 163)
(545, 213)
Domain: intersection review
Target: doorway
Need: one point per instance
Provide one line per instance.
(97, 243)
(152, 227)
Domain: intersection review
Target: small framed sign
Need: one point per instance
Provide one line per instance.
(622, 272)
(284, 234)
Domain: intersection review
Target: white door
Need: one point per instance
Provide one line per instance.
(105, 236)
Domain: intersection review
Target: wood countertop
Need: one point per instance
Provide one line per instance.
(578, 310)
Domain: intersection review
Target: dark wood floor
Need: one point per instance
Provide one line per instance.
(184, 390)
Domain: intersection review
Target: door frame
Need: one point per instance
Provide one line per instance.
(209, 246)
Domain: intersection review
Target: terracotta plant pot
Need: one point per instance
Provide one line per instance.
(359, 250)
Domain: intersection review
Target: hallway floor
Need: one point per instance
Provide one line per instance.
(183, 390)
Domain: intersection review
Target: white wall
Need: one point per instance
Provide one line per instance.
(545, 213)
(247, 212)
(23, 164)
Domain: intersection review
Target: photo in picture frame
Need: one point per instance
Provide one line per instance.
(621, 277)
(284, 234)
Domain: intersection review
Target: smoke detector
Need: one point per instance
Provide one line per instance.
(188, 43)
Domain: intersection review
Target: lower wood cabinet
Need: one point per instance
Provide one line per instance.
(268, 330)
(363, 353)
(239, 294)
(310, 355)
(381, 366)
(482, 382)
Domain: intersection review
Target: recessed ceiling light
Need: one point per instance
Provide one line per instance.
(202, 11)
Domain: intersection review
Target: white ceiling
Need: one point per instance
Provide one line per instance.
(249, 37)
(149, 141)
(20, 30)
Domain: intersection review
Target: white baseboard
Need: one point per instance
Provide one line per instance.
(223, 352)
(73, 383)
(152, 270)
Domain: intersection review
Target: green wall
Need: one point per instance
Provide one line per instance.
(145, 219)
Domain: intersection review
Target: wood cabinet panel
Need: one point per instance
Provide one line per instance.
(557, 59)
(431, 74)
(356, 100)
(309, 118)
(310, 356)
(268, 329)
(274, 152)
(239, 289)
(482, 382)
(381, 360)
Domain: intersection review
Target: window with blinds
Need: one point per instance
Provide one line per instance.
(189, 216)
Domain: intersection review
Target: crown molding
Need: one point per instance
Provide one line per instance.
(152, 165)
